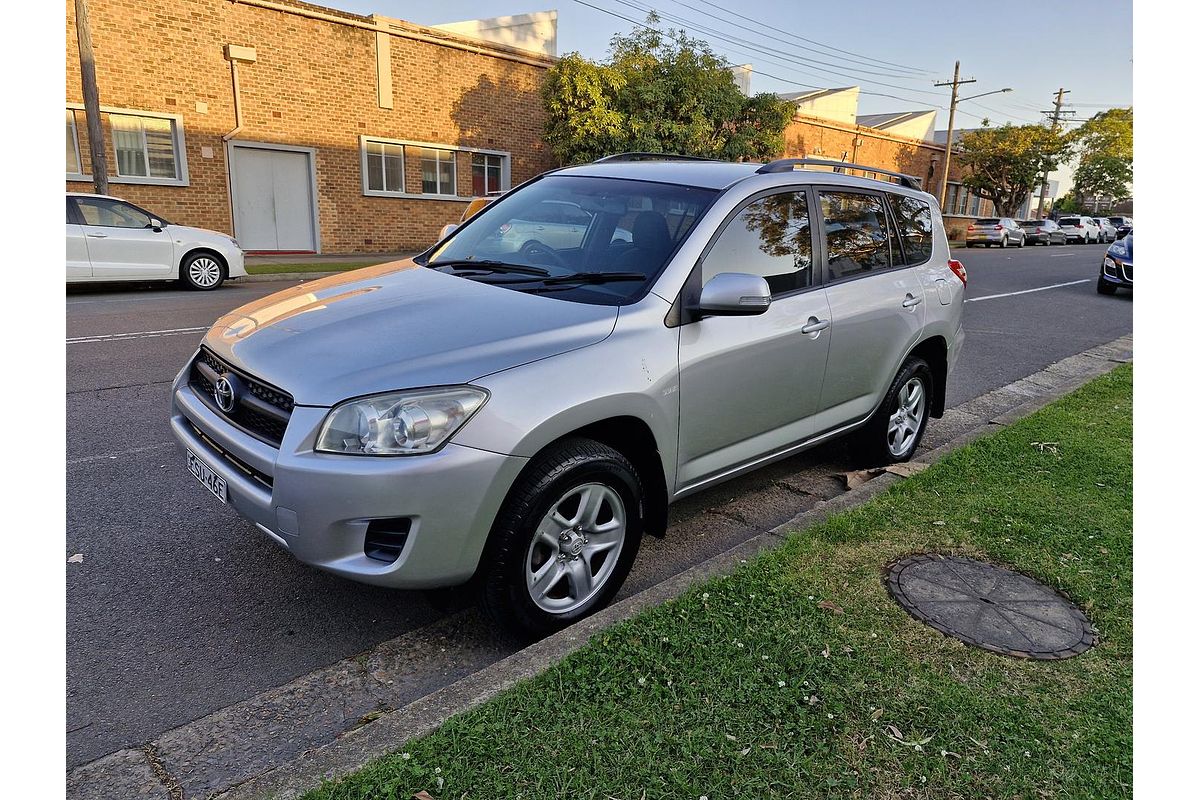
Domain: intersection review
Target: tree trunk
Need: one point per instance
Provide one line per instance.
(91, 98)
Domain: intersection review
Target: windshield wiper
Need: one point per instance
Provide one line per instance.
(491, 267)
(579, 277)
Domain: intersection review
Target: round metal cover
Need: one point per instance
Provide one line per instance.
(989, 607)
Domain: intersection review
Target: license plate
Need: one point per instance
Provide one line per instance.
(209, 479)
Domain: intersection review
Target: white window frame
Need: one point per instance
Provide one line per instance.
(503, 162)
(363, 141)
(505, 167)
(442, 152)
(78, 175)
(178, 142)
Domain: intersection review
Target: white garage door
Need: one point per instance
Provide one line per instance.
(273, 202)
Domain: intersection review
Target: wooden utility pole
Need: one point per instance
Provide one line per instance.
(1054, 118)
(954, 84)
(91, 97)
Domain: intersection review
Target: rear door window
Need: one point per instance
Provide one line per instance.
(914, 218)
(856, 233)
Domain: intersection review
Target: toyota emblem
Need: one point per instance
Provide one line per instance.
(224, 395)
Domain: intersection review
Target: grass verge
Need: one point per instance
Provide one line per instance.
(324, 266)
(797, 676)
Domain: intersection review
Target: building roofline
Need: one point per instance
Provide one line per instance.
(403, 29)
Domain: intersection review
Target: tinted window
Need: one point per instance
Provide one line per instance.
(915, 220)
(771, 237)
(1069, 221)
(855, 233)
(111, 213)
(988, 221)
(1030, 223)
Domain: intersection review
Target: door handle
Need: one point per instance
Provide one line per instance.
(910, 301)
(97, 235)
(815, 325)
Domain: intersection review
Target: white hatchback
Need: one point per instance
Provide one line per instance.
(109, 239)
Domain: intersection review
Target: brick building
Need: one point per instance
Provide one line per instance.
(356, 134)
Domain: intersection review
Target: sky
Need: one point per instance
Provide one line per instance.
(895, 51)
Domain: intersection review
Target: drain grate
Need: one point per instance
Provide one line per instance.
(989, 607)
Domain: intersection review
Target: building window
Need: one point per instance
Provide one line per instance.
(385, 167)
(74, 166)
(487, 174)
(437, 171)
(145, 146)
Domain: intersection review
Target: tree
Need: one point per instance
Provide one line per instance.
(1105, 146)
(1005, 164)
(658, 92)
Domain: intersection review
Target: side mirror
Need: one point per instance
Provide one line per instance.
(734, 294)
(447, 229)
(156, 224)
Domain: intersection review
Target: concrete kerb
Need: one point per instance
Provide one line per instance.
(385, 730)
(287, 276)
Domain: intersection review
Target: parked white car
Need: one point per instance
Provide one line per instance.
(109, 239)
(1080, 229)
(1108, 231)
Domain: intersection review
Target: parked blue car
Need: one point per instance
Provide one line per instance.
(1117, 269)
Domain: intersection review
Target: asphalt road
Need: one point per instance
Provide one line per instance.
(180, 608)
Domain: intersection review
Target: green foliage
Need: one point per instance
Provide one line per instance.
(1068, 204)
(658, 92)
(1005, 164)
(1105, 145)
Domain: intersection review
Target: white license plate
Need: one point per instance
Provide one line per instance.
(209, 479)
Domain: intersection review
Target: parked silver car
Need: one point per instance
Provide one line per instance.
(1043, 231)
(520, 420)
(1108, 231)
(999, 231)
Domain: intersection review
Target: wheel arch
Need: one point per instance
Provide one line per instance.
(933, 351)
(197, 249)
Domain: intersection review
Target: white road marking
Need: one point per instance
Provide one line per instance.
(117, 337)
(1063, 255)
(1027, 291)
(107, 456)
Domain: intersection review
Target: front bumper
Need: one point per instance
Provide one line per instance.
(1117, 272)
(318, 505)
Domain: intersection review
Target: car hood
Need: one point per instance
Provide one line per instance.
(188, 233)
(397, 326)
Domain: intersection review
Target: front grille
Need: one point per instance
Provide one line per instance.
(261, 410)
(1128, 270)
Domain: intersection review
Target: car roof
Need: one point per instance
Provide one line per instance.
(93, 194)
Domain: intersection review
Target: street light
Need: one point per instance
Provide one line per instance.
(954, 101)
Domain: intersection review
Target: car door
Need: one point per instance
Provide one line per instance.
(876, 304)
(749, 385)
(78, 265)
(122, 242)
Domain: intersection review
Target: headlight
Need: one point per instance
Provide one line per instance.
(399, 423)
(1118, 249)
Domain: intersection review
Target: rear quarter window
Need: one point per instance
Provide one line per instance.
(914, 218)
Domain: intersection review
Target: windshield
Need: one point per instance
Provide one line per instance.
(587, 239)
(1069, 221)
(1032, 223)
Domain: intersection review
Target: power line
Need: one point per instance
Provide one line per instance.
(763, 49)
(759, 55)
(792, 36)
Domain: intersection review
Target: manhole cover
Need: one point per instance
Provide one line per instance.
(989, 607)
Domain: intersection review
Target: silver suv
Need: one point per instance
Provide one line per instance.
(519, 415)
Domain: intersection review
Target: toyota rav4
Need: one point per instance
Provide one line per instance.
(517, 415)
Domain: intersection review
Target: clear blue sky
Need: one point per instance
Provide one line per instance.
(1032, 47)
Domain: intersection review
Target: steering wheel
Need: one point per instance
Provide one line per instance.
(534, 249)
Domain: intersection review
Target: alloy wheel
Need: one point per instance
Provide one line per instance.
(204, 272)
(905, 422)
(575, 548)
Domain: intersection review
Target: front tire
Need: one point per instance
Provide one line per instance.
(894, 432)
(202, 272)
(1104, 287)
(565, 539)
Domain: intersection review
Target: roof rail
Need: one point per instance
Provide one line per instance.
(650, 157)
(789, 164)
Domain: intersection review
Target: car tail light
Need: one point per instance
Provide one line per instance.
(970, 227)
(998, 228)
(958, 269)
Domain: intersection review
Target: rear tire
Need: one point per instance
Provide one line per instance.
(564, 540)
(202, 272)
(1003, 242)
(894, 432)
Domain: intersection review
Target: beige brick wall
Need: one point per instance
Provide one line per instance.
(313, 85)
